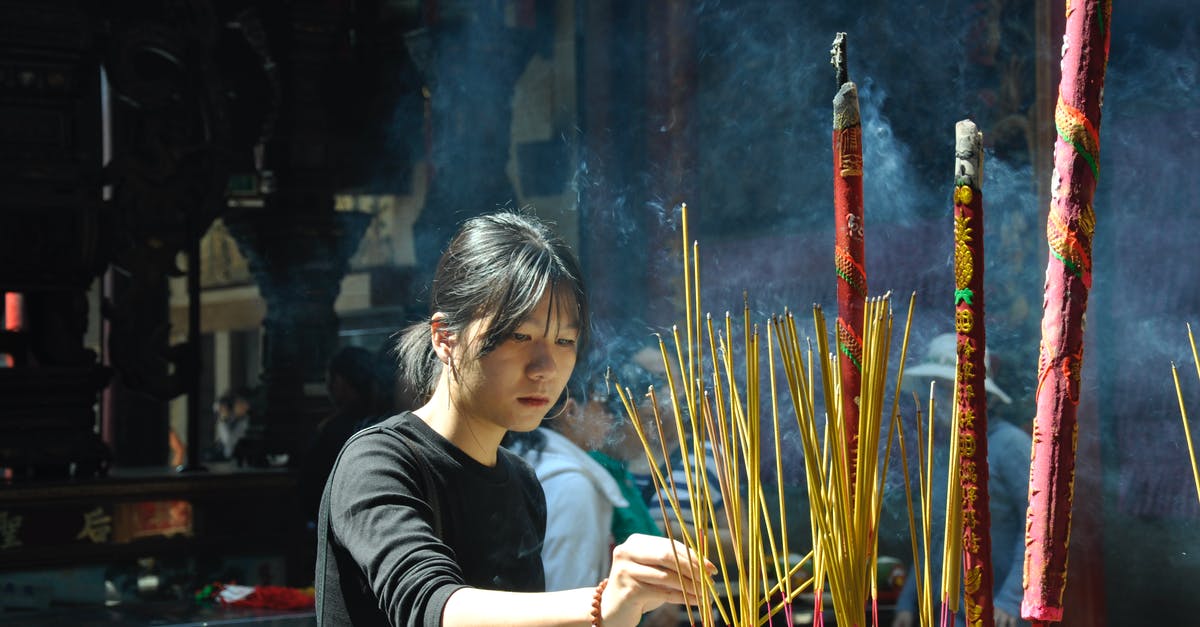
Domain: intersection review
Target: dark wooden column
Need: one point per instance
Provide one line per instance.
(297, 245)
(49, 215)
(298, 264)
(169, 137)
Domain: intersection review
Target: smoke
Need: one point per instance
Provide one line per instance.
(891, 186)
(1145, 286)
(756, 136)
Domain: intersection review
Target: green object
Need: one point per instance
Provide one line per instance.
(889, 572)
(636, 517)
(204, 594)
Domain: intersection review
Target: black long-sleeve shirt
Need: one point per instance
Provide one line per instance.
(393, 554)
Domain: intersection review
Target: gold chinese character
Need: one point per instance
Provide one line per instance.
(96, 526)
(966, 370)
(970, 540)
(966, 444)
(9, 526)
(966, 417)
(967, 467)
(851, 151)
(964, 320)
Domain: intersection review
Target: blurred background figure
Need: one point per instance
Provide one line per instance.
(1008, 480)
(360, 386)
(621, 453)
(233, 421)
(580, 494)
(583, 457)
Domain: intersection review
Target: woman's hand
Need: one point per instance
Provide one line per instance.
(648, 571)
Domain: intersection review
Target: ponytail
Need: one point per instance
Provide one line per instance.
(418, 364)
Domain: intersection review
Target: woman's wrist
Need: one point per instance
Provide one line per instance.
(617, 608)
(597, 615)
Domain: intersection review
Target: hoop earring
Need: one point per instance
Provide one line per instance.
(561, 410)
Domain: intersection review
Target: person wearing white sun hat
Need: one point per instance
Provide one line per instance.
(1008, 480)
(941, 358)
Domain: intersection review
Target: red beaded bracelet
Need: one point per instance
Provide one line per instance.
(597, 618)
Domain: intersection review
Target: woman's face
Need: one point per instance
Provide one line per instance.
(515, 384)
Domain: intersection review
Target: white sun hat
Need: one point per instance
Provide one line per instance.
(941, 359)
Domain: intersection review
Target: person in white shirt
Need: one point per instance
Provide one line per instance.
(580, 494)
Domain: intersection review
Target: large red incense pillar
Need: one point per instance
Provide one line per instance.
(1069, 231)
(849, 255)
(972, 397)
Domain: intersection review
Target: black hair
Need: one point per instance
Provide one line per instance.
(232, 396)
(498, 265)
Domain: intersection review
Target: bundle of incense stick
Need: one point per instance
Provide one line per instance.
(844, 508)
(711, 409)
(1187, 432)
(922, 544)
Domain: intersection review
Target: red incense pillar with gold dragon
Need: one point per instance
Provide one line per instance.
(849, 255)
(1069, 231)
(971, 417)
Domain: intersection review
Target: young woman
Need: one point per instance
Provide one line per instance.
(425, 519)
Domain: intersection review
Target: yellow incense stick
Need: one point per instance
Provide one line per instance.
(952, 536)
(912, 523)
(1187, 433)
(1191, 451)
(660, 484)
(927, 500)
(782, 578)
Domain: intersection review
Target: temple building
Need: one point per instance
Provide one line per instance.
(203, 202)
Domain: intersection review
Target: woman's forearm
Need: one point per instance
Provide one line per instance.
(480, 608)
(647, 572)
